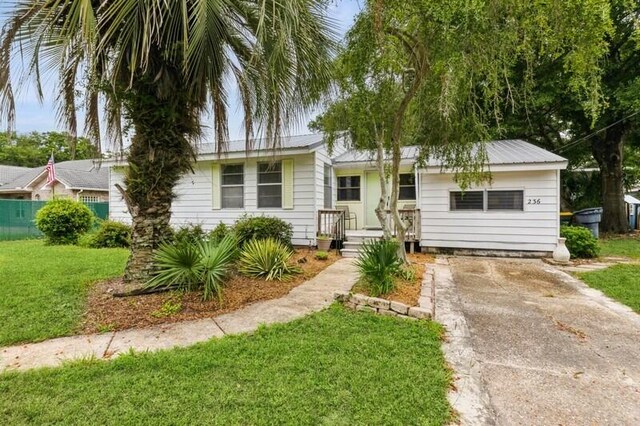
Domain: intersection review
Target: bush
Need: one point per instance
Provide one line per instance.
(249, 228)
(322, 255)
(580, 241)
(268, 259)
(192, 266)
(378, 266)
(189, 233)
(110, 234)
(219, 232)
(63, 220)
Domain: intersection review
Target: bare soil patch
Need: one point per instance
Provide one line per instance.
(107, 313)
(407, 292)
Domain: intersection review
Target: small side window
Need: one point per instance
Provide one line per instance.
(505, 200)
(468, 200)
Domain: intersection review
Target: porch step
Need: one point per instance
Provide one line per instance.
(349, 252)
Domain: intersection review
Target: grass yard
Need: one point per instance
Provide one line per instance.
(620, 282)
(333, 367)
(43, 288)
(620, 247)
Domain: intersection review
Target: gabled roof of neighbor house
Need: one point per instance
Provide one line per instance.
(9, 173)
(77, 174)
(504, 152)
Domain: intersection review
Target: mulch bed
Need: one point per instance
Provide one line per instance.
(107, 313)
(407, 292)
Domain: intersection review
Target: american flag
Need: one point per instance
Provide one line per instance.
(51, 171)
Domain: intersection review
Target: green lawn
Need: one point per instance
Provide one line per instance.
(43, 288)
(620, 247)
(333, 367)
(620, 282)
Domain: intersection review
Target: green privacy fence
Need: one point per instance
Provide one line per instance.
(17, 218)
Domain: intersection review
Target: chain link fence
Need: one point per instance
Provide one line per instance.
(17, 218)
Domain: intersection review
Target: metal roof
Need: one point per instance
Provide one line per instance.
(288, 142)
(514, 151)
(630, 199)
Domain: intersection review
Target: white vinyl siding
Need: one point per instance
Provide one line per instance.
(195, 198)
(533, 228)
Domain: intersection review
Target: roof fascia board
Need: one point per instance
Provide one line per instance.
(558, 165)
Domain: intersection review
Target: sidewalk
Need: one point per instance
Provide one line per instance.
(311, 296)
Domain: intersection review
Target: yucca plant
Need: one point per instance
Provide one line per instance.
(268, 259)
(378, 265)
(193, 265)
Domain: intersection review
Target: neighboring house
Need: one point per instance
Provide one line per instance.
(304, 185)
(82, 180)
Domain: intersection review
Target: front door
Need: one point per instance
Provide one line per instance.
(372, 196)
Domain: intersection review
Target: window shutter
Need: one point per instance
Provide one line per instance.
(287, 184)
(215, 185)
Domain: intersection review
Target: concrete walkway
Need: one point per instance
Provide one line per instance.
(532, 345)
(311, 296)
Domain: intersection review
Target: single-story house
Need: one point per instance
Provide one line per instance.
(83, 180)
(336, 193)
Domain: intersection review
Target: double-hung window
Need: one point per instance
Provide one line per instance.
(407, 187)
(467, 200)
(348, 188)
(232, 186)
(270, 185)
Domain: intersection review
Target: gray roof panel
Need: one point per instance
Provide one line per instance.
(503, 152)
(76, 174)
(289, 142)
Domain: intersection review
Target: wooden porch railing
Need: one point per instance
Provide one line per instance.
(331, 224)
(411, 218)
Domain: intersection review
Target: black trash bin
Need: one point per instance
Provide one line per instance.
(589, 218)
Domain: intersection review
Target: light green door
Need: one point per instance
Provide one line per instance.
(372, 184)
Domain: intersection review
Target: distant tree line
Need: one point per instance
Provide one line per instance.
(33, 149)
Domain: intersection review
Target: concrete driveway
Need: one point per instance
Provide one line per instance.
(546, 352)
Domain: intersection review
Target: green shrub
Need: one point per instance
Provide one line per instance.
(261, 228)
(63, 220)
(189, 233)
(580, 241)
(191, 266)
(111, 234)
(378, 265)
(322, 255)
(268, 259)
(407, 273)
(219, 232)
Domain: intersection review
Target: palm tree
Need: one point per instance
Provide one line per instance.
(157, 67)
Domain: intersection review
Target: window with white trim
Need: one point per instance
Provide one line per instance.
(505, 200)
(89, 198)
(407, 187)
(467, 200)
(328, 189)
(348, 188)
(270, 185)
(232, 186)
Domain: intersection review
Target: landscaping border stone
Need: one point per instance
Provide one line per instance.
(380, 306)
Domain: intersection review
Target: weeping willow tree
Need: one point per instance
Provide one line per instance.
(158, 67)
(438, 73)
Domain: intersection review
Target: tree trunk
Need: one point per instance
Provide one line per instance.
(607, 151)
(160, 154)
(381, 209)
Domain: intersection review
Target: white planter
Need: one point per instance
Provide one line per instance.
(561, 253)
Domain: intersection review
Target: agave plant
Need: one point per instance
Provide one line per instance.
(268, 259)
(193, 265)
(378, 265)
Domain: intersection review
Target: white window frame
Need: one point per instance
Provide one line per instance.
(485, 201)
(350, 187)
(327, 186)
(235, 185)
(415, 188)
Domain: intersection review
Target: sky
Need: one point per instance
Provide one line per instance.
(31, 115)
